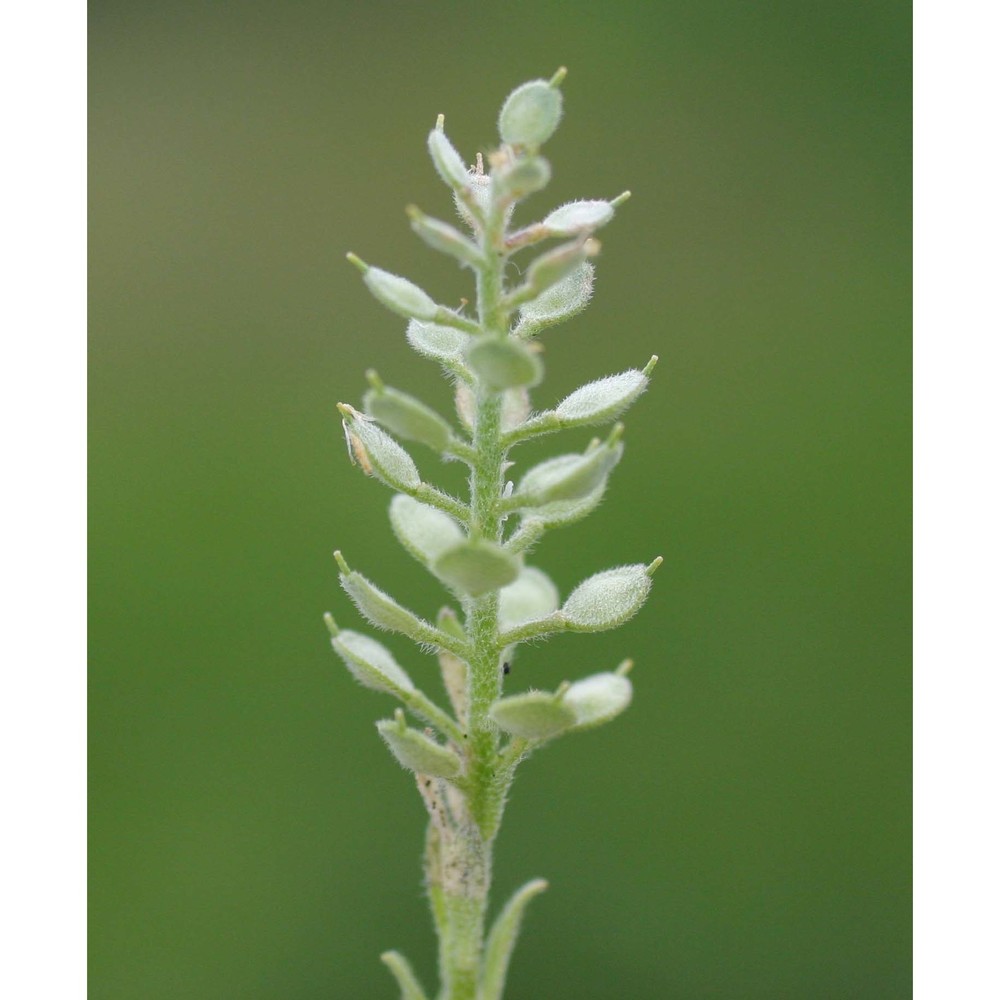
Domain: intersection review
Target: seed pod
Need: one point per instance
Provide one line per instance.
(423, 531)
(534, 715)
(443, 344)
(476, 567)
(551, 268)
(382, 610)
(405, 415)
(530, 597)
(416, 751)
(400, 295)
(531, 114)
(579, 217)
(559, 303)
(569, 477)
(376, 452)
(598, 699)
(503, 362)
(608, 599)
(602, 400)
(446, 158)
(560, 513)
(371, 663)
(520, 178)
(440, 236)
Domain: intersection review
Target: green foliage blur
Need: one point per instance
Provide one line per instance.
(742, 832)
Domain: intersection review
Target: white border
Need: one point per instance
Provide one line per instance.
(43, 400)
(957, 507)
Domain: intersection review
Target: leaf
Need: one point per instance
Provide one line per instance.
(410, 988)
(502, 938)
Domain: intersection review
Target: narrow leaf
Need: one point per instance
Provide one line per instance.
(410, 988)
(502, 937)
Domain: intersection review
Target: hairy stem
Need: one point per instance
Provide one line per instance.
(459, 857)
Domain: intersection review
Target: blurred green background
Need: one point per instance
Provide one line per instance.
(743, 832)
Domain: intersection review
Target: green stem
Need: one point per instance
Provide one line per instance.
(459, 857)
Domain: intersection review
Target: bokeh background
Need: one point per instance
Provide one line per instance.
(743, 832)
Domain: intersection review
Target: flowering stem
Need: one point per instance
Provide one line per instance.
(459, 865)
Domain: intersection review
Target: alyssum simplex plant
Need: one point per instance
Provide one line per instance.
(465, 758)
